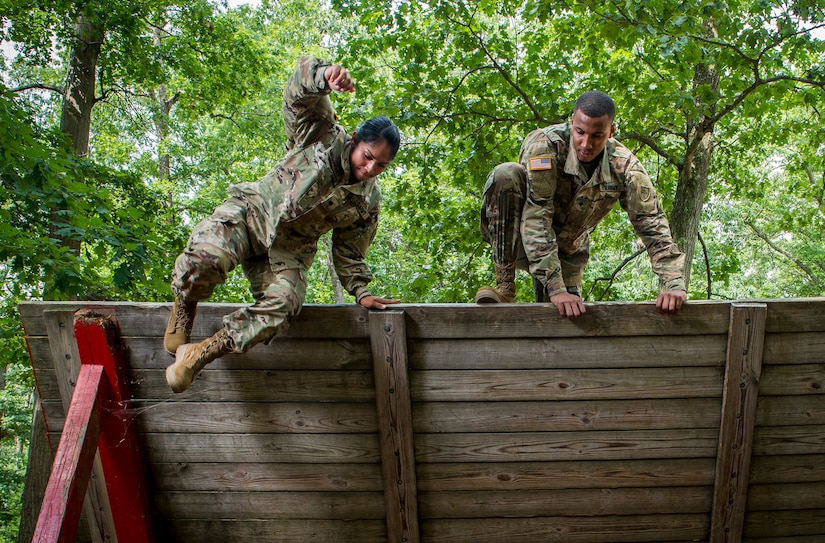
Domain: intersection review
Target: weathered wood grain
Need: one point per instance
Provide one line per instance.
(267, 448)
(559, 416)
(276, 531)
(773, 440)
(790, 410)
(502, 385)
(795, 315)
(793, 468)
(565, 502)
(256, 417)
(395, 429)
(260, 386)
(560, 352)
(265, 477)
(526, 426)
(149, 319)
(744, 366)
(579, 529)
(552, 446)
(493, 476)
(785, 523)
(792, 380)
(794, 348)
(776, 497)
(270, 505)
(542, 320)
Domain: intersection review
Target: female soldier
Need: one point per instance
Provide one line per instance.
(271, 227)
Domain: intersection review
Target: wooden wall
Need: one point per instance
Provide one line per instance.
(454, 423)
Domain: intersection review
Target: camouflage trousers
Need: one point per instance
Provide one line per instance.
(505, 193)
(216, 246)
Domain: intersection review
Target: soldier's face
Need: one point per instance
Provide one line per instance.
(369, 159)
(590, 134)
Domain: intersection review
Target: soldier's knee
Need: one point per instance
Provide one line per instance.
(507, 177)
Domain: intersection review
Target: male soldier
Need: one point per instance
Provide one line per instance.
(537, 213)
(271, 227)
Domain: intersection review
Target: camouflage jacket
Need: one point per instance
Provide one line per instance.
(563, 204)
(310, 192)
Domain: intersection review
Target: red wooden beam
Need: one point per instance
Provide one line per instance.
(72, 467)
(99, 344)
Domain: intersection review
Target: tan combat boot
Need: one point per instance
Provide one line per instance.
(179, 327)
(505, 291)
(192, 357)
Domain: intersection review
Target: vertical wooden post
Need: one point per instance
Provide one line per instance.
(98, 342)
(392, 396)
(72, 468)
(66, 361)
(744, 367)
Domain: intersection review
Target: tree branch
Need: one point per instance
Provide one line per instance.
(40, 86)
(799, 264)
(613, 275)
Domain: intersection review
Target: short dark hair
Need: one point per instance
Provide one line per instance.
(596, 104)
(380, 128)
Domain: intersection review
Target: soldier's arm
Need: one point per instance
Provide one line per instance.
(538, 236)
(641, 204)
(308, 112)
(349, 250)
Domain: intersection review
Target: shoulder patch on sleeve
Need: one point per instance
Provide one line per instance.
(541, 162)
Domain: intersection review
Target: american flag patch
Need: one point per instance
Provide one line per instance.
(541, 163)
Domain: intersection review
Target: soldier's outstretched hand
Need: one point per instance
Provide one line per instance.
(670, 301)
(569, 305)
(374, 302)
(339, 78)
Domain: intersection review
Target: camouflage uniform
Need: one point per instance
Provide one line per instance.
(271, 227)
(537, 213)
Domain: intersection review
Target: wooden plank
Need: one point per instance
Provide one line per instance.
(790, 410)
(565, 502)
(579, 529)
(538, 385)
(242, 505)
(776, 524)
(276, 531)
(794, 468)
(792, 380)
(558, 416)
(494, 476)
(395, 429)
(775, 440)
(552, 446)
(260, 386)
(558, 352)
(62, 503)
(273, 448)
(262, 477)
(99, 345)
(746, 338)
(147, 319)
(63, 347)
(794, 348)
(542, 320)
(794, 315)
(279, 354)
(775, 497)
(256, 418)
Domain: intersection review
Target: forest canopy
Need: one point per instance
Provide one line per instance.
(124, 122)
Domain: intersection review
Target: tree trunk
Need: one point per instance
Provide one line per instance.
(76, 117)
(693, 176)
